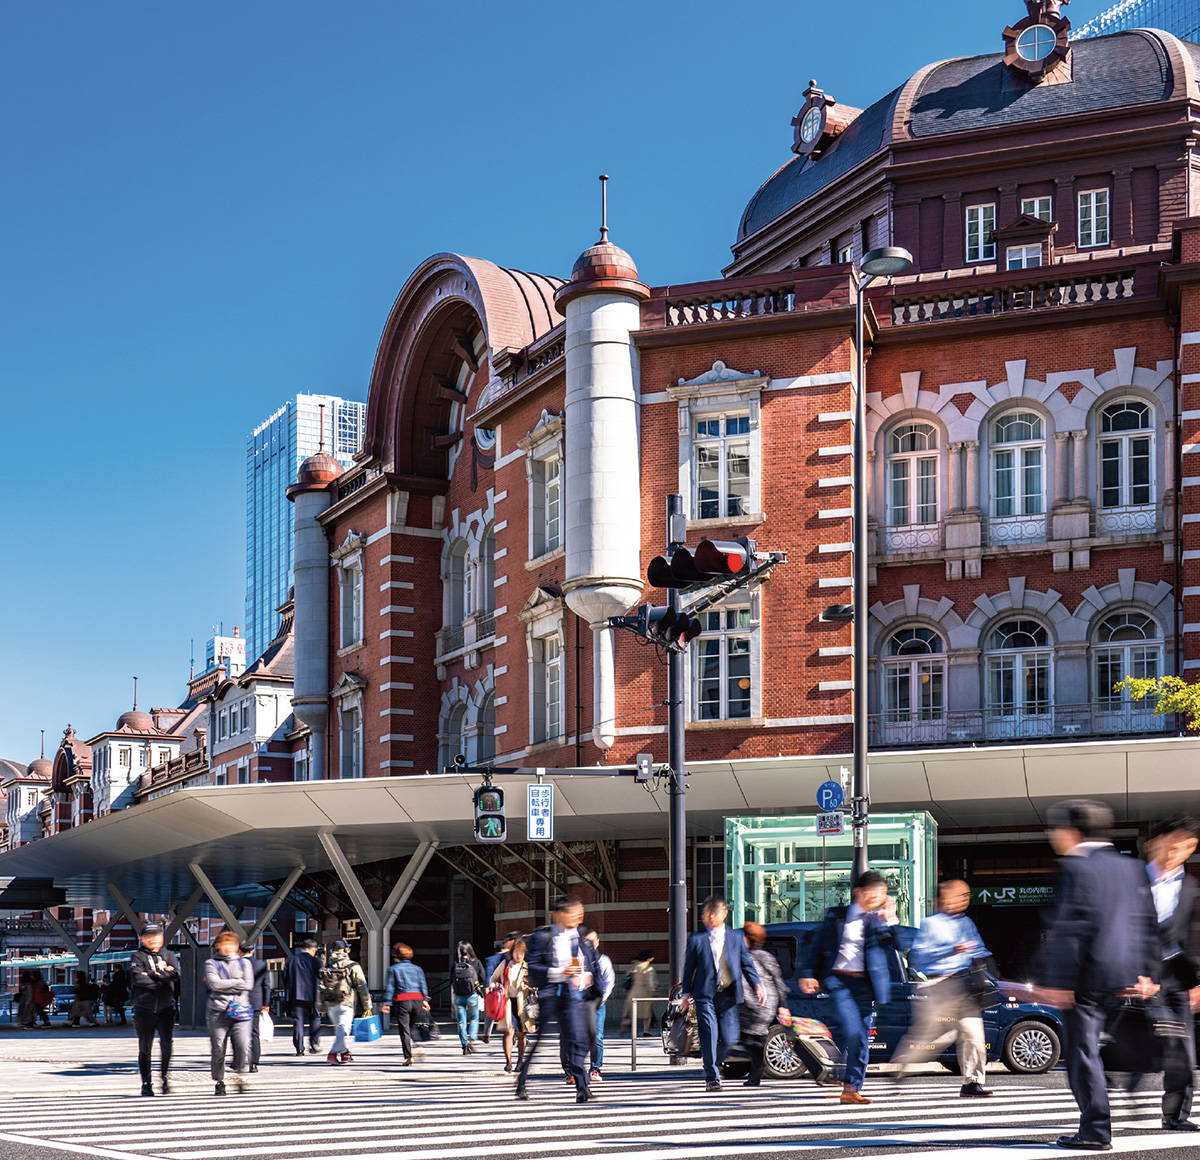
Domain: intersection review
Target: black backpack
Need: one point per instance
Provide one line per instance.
(464, 980)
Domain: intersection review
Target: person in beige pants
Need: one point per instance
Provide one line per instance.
(943, 952)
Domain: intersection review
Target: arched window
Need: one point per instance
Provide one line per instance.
(1127, 644)
(459, 583)
(453, 742)
(487, 569)
(914, 677)
(1019, 678)
(1018, 501)
(1126, 456)
(485, 731)
(912, 485)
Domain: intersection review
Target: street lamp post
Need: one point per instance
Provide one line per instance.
(882, 262)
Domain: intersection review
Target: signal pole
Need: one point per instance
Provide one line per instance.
(677, 826)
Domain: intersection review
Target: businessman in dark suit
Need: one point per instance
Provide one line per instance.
(713, 966)
(565, 970)
(1177, 906)
(848, 955)
(1103, 945)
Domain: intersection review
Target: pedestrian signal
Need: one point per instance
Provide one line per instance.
(712, 560)
(490, 824)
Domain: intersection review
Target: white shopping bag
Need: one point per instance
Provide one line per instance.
(266, 1027)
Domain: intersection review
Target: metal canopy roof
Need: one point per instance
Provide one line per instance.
(261, 832)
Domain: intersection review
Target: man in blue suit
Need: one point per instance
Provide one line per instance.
(848, 954)
(1103, 945)
(563, 966)
(713, 967)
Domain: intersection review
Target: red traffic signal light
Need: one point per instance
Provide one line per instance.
(667, 627)
(712, 560)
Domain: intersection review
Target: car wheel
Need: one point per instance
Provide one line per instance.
(1030, 1048)
(779, 1060)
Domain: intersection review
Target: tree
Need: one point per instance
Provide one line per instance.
(1174, 695)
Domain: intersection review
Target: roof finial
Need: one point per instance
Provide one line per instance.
(604, 207)
(321, 447)
(135, 693)
(43, 744)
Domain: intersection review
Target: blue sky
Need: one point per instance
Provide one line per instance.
(208, 207)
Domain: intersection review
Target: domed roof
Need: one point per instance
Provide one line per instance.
(319, 469)
(42, 768)
(136, 720)
(604, 266)
(979, 93)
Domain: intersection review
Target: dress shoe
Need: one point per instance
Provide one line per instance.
(976, 1090)
(1173, 1125)
(407, 1063)
(508, 1067)
(584, 1097)
(332, 1058)
(850, 1096)
(166, 1084)
(1084, 1145)
(712, 1085)
(147, 1089)
(752, 1083)
(521, 1094)
(314, 1049)
(254, 1067)
(300, 1052)
(220, 1090)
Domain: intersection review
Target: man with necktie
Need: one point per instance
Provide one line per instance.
(1177, 906)
(848, 954)
(563, 967)
(713, 967)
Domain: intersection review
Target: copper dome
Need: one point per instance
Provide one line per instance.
(603, 266)
(42, 768)
(319, 469)
(136, 720)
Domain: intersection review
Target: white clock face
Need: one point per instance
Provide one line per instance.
(811, 125)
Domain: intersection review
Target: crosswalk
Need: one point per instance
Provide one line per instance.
(650, 1117)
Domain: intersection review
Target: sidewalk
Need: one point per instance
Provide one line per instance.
(99, 1060)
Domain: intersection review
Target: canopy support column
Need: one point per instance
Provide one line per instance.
(378, 923)
(126, 907)
(215, 898)
(181, 916)
(272, 906)
(82, 954)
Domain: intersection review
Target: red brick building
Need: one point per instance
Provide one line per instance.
(1032, 411)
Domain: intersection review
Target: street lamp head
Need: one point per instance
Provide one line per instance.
(886, 261)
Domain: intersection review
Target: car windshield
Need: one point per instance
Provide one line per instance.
(783, 947)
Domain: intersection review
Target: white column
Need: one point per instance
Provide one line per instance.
(1079, 454)
(972, 472)
(1169, 453)
(1060, 467)
(604, 686)
(956, 479)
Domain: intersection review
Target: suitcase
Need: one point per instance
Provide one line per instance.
(367, 1029)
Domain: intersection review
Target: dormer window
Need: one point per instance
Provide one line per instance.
(1036, 42)
(1023, 257)
(981, 221)
(1038, 207)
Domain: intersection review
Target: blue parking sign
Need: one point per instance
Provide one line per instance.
(830, 796)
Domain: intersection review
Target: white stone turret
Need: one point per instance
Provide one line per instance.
(602, 476)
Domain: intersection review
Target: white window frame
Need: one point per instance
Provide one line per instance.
(1123, 442)
(350, 561)
(1041, 207)
(1023, 257)
(301, 767)
(452, 741)
(545, 623)
(1019, 661)
(1133, 658)
(723, 446)
(846, 253)
(749, 605)
(979, 244)
(1094, 207)
(910, 468)
(246, 719)
(908, 671)
(545, 450)
(719, 393)
(458, 583)
(1023, 518)
(348, 693)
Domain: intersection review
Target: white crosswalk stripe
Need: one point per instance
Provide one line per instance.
(468, 1116)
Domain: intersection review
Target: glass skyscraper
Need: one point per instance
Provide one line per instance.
(274, 452)
(1182, 17)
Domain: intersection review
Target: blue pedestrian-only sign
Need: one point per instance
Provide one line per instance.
(830, 796)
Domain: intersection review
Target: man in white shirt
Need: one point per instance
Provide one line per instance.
(1177, 905)
(847, 954)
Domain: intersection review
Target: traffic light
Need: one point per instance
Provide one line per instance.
(712, 560)
(667, 627)
(490, 823)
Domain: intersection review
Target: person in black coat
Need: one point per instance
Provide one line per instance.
(260, 1000)
(717, 990)
(848, 955)
(1103, 945)
(564, 968)
(1177, 907)
(155, 973)
(303, 990)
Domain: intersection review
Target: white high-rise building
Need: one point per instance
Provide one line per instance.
(1182, 17)
(274, 452)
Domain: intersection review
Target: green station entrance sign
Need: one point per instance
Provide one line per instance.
(1013, 894)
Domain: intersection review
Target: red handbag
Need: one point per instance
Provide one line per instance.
(495, 1004)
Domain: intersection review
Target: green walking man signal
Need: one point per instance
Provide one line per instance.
(490, 822)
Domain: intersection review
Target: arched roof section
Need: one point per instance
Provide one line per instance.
(444, 304)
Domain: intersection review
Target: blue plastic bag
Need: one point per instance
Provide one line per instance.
(367, 1029)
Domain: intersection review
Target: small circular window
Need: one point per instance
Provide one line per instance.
(1036, 43)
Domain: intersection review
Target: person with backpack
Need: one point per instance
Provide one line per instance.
(229, 979)
(155, 974)
(409, 991)
(341, 983)
(466, 983)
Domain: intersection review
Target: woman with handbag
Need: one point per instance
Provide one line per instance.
(229, 979)
(511, 981)
(409, 990)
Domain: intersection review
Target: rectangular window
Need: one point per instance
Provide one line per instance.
(722, 446)
(908, 505)
(243, 775)
(245, 715)
(351, 743)
(1017, 482)
(1038, 207)
(351, 605)
(143, 758)
(721, 666)
(981, 220)
(164, 755)
(1023, 257)
(222, 776)
(1093, 217)
(222, 725)
(552, 531)
(300, 766)
(547, 692)
(125, 757)
(845, 254)
(545, 503)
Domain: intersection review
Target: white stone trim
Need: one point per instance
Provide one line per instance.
(401, 632)
(395, 661)
(837, 481)
(395, 765)
(834, 686)
(396, 712)
(390, 609)
(398, 560)
(403, 685)
(835, 581)
(835, 548)
(831, 452)
(389, 737)
(841, 650)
